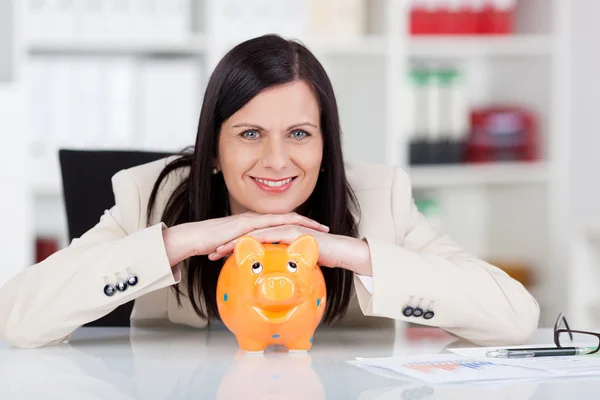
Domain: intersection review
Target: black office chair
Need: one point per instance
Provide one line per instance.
(87, 190)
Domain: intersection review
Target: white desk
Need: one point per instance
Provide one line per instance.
(178, 363)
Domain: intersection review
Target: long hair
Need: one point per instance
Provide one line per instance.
(245, 71)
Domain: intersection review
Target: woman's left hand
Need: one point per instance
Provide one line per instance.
(334, 250)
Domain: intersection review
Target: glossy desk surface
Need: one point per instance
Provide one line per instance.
(179, 363)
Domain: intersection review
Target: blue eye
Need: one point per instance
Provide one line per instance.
(299, 135)
(250, 134)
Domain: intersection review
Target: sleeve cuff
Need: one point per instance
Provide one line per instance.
(154, 270)
(141, 253)
(376, 299)
(391, 286)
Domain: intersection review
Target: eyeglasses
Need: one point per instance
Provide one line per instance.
(566, 337)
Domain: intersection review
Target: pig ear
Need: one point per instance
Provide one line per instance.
(246, 247)
(305, 247)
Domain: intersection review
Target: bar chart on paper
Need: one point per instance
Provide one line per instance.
(432, 367)
(445, 368)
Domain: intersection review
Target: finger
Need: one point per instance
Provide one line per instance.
(310, 223)
(293, 219)
(283, 234)
(271, 220)
(226, 248)
(216, 256)
(283, 229)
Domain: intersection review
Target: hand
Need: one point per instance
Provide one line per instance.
(203, 237)
(334, 250)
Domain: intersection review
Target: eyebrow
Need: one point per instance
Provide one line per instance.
(249, 125)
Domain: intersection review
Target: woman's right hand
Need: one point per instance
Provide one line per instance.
(201, 238)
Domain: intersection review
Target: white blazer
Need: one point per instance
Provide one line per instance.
(470, 298)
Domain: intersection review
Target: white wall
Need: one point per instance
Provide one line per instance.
(585, 109)
(584, 169)
(15, 207)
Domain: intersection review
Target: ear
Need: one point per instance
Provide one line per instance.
(306, 247)
(246, 247)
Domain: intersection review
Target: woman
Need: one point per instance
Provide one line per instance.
(267, 163)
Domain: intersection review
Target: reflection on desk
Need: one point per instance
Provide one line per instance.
(180, 363)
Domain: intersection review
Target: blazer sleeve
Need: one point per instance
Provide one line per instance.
(46, 302)
(469, 297)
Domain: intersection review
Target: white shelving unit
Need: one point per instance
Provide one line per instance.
(525, 45)
(459, 175)
(368, 46)
(511, 211)
(523, 200)
(194, 46)
(16, 199)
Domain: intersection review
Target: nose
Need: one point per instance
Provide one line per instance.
(274, 154)
(276, 289)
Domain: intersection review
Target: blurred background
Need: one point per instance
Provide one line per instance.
(489, 104)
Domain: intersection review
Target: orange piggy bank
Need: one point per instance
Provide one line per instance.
(272, 293)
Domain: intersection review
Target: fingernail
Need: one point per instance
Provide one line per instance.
(325, 227)
(298, 216)
(220, 248)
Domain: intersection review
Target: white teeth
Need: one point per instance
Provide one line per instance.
(274, 184)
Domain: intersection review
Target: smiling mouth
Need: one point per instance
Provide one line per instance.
(274, 183)
(275, 315)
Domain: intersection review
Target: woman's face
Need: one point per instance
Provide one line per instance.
(270, 150)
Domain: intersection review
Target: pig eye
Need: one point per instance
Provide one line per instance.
(257, 268)
(291, 266)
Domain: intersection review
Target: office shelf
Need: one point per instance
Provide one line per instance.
(196, 45)
(480, 46)
(478, 174)
(193, 46)
(367, 45)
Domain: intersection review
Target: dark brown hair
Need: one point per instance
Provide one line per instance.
(245, 71)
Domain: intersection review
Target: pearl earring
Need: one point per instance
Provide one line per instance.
(215, 171)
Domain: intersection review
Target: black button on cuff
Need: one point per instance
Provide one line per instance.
(109, 290)
(418, 312)
(121, 286)
(428, 315)
(132, 280)
(408, 311)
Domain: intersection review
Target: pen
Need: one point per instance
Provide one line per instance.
(538, 352)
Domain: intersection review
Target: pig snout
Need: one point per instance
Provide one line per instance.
(277, 290)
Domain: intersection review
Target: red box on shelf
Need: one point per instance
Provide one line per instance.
(464, 20)
(443, 21)
(419, 21)
(503, 133)
(496, 21)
